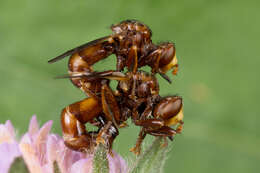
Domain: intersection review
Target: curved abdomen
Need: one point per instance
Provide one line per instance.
(83, 60)
(73, 119)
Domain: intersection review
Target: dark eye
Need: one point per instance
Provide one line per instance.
(167, 56)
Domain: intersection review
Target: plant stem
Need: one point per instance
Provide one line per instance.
(100, 162)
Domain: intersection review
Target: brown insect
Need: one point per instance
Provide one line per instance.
(137, 94)
(140, 96)
(100, 109)
(131, 43)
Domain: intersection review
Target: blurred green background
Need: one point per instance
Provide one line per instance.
(218, 49)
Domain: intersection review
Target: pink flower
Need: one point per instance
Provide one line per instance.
(116, 165)
(41, 150)
(33, 147)
(64, 157)
(8, 146)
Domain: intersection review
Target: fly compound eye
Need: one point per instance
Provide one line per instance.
(168, 108)
(168, 58)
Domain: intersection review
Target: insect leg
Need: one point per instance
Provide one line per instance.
(150, 123)
(109, 104)
(107, 133)
(153, 60)
(157, 61)
(136, 150)
(146, 124)
(180, 127)
(163, 131)
(120, 62)
(132, 62)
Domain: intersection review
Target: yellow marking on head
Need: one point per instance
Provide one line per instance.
(175, 120)
(170, 65)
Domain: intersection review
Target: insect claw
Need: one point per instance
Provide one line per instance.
(136, 150)
(171, 138)
(111, 152)
(122, 125)
(165, 144)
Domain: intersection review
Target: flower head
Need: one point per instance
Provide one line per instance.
(44, 152)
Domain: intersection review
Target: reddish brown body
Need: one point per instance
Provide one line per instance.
(131, 43)
(137, 93)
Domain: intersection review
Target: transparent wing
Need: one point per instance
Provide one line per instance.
(110, 74)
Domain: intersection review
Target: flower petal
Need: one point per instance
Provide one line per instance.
(123, 165)
(33, 126)
(82, 166)
(51, 150)
(29, 154)
(116, 164)
(57, 151)
(8, 153)
(52, 147)
(40, 142)
(7, 133)
(10, 127)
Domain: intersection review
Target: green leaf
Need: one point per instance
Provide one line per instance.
(18, 166)
(153, 158)
(159, 160)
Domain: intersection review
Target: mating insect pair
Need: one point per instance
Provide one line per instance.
(137, 94)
